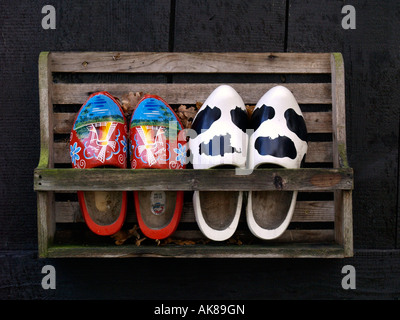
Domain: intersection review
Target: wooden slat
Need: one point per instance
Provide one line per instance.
(319, 249)
(46, 111)
(338, 111)
(319, 152)
(307, 179)
(63, 122)
(46, 221)
(343, 220)
(179, 62)
(317, 122)
(343, 199)
(313, 211)
(189, 93)
(305, 211)
(45, 200)
(289, 236)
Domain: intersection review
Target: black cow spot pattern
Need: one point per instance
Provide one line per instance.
(279, 147)
(260, 115)
(296, 124)
(205, 118)
(239, 118)
(218, 145)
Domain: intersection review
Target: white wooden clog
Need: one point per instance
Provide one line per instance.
(221, 140)
(279, 140)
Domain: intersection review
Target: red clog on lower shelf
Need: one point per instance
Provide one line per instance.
(99, 139)
(157, 141)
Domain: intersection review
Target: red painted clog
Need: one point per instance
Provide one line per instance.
(99, 139)
(157, 141)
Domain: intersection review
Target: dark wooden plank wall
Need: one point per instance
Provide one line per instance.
(372, 81)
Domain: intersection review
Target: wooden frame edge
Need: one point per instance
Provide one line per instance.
(46, 225)
(343, 198)
(45, 200)
(243, 251)
(305, 179)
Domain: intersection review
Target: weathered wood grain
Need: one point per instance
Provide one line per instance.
(305, 211)
(290, 236)
(343, 200)
(344, 220)
(200, 251)
(189, 93)
(193, 62)
(338, 111)
(310, 179)
(46, 221)
(46, 111)
(45, 200)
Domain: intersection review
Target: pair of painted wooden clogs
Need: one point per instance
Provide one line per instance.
(155, 139)
(102, 137)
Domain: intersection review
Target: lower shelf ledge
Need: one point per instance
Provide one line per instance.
(106, 179)
(199, 251)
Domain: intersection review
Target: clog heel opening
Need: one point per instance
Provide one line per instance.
(219, 207)
(270, 208)
(104, 207)
(157, 208)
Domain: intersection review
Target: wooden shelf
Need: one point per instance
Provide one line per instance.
(328, 250)
(312, 179)
(322, 223)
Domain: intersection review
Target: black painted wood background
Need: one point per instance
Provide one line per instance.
(371, 55)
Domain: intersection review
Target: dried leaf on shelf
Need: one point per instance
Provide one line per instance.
(236, 241)
(122, 235)
(249, 110)
(168, 240)
(129, 102)
(185, 242)
(186, 115)
(139, 241)
(178, 242)
(134, 231)
(198, 105)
